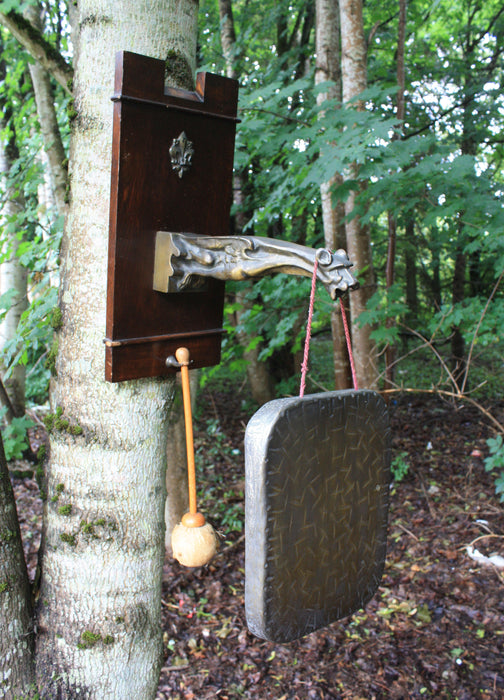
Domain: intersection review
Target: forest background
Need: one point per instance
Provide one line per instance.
(382, 137)
(416, 156)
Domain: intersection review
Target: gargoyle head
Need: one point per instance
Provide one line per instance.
(334, 272)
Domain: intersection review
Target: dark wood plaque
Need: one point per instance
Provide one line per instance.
(148, 195)
(316, 504)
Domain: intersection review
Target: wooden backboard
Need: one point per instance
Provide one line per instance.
(148, 195)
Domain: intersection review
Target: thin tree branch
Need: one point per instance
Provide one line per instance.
(39, 48)
(5, 401)
(483, 537)
(443, 364)
(379, 25)
(463, 103)
(484, 32)
(291, 41)
(482, 316)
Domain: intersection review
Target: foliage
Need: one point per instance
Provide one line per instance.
(438, 172)
(36, 226)
(260, 321)
(39, 256)
(227, 511)
(384, 306)
(465, 314)
(495, 463)
(399, 466)
(15, 435)
(231, 352)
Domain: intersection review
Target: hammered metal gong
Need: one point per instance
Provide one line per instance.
(316, 503)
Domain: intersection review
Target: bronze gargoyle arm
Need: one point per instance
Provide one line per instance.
(183, 260)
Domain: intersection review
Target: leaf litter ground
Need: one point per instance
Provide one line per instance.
(434, 629)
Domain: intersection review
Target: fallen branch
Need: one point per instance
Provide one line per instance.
(453, 395)
(231, 546)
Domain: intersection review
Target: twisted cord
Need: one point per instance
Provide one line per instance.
(304, 366)
(349, 344)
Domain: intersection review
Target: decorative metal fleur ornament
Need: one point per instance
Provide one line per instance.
(181, 153)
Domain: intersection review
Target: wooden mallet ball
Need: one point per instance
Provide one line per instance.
(193, 545)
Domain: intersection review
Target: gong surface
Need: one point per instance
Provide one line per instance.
(316, 503)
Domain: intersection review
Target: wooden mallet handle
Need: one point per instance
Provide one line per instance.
(194, 542)
(193, 518)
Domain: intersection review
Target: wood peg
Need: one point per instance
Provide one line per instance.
(182, 356)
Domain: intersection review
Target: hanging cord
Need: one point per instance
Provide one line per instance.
(349, 345)
(304, 366)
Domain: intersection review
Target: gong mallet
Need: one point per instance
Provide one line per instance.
(193, 540)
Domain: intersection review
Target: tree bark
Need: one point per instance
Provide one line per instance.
(435, 281)
(353, 69)
(5, 401)
(260, 380)
(328, 68)
(303, 66)
(99, 607)
(17, 668)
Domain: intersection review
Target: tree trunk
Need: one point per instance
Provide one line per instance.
(261, 384)
(17, 668)
(228, 37)
(411, 271)
(46, 112)
(12, 275)
(328, 68)
(468, 146)
(99, 607)
(436, 277)
(303, 67)
(353, 69)
(458, 358)
(390, 351)
(177, 500)
(259, 377)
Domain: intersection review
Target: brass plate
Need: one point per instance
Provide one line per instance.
(316, 503)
